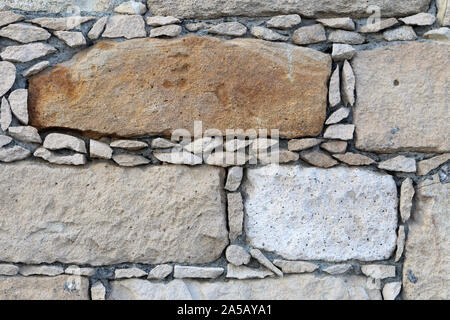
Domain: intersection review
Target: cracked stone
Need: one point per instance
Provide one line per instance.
(52, 157)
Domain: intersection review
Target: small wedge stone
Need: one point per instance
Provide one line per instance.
(340, 132)
(128, 144)
(234, 178)
(338, 23)
(8, 17)
(18, 100)
(420, 19)
(98, 291)
(61, 24)
(196, 26)
(334, 146)
(284, 21)
(100, 150)
(401, 237)
(35, 69)
(166, 31)
(5, 114)
(52, 157)
(243, 272)
(160, 272)
(309, 35)
(25, 134)
(338, 269)
(378, 271)
(267, 34)
(8, 269)
(318, 159)
(235, 215)
(338, 116)
(295, 266)
(130, 160)
(24, 33)
(303, 144)
(5, 140)
(131, 7)
(399, 164)
(375, 27)
(347, 37)
(129, 273)
(15, 153)
(237, 255)
(183, 272)
(27, 52)
(125, 26)
(41, 270)
(161, 143)
(391, 290)
(280, 156)
(441, 34)
(234, 29)
(348, 84)
(425, 166)
(261, 258)
(226, 159)
(178, 157)
(7, 76)
(76, 270)
(334, 94)
(98, 28)
(236, 144)
(72, 39)
(57, 141)
(403, 33)
(262, 144)
(342, 51)
(406, 197)
(158, 21)
(354, 159)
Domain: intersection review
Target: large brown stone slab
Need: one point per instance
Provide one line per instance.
(148, 86)
(104, 214)
(402, 98)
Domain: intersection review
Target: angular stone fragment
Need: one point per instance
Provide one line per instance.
(348, 37)
(295, 266)
(5, 140)
(27, 52)
(109, 207)
(130, 160)
(234, 178)
(18, 101)
(425, 166)
(391, 290)
(403, 33)
(160, 272)
(338, 269)
(57, 141)
(5, 114)
(196, 26)
(76, 159)
(289, 80)
(401, 237)
(443, 15)
(261, 258)
(44, 288)
(35, 69)
(279, 156)
(72, 39)
(161, 143)
(76, 270)
(158, 21)
(361, 209)
(342, 52)
(348, 84)
(232, 145)
(234, 29)
(285, 22)
(334, 94)
(7, 17)
(420, 19)
(340, 132)
(129, 273)
(98, 291)
(41, 270)
(98, 28)
(100, 150)
(235, 214)
(399, 164)
(354, 159)
(129, 144)
(303, 144)
(309, 35)
(8, 270)
(243, 272)
(378, 26)
(338, 23)
(131, 7)
(378, 271)
(334, 146)
(204, 145)
(338, 115)
(267, 34)
(406, 197)
(262, 144)
(24, 33)
(167, 31)
(178, 157)
(318, 159)
(441, 34)
(125, 26)
(373, 283)
(391, 112)
(25, 134)
(226, 159)
(15, 153)
(181, 272)
(7, 76)
(237, 255)
(61, 24)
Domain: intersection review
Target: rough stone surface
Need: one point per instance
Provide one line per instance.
(41, 270)
(27, 52)
(7, 17)
(378, 26)
(56, 141)
(8, 270)
(234, 178)
(24, 33)
(15, 153)
(129, 273)
(98, 28)
(131, 7)
(261, 258)
(262, 81)
(5, 140)
(130, 160)
(334, 146)
(161, 143)
(234, 29)
(72, 39)
(303, 144)
(196, 26)
(279, 156)
(181, 272)
(56, 6)
(338, 23)
(235, 214)
(338, 269)
(348, 84)
(347, 37)
(340, 132)
(425, 166)
(237, 255)
(125, 26)
(441, 34)
(309, 35)
(401, 238)
(295, 266)
(391, 111)
(35, 69)
(267, 34)
(226, 159)
(128, 144)
(399, 164)
(354, 159)
(378, 271)
(427, 253)
(25, 134)
(342, 52)
(292, 287)
(76, 159)
(403, 33)
(18, 101)
(443, 15)
(76, 270)
(420, 19)
(243, 272)
(318, 158)
(236, 144)
(44, 288)
(61, 24)
(305, 194)
(338, 116)
(391, 290)
(160, 272)
(8, 76)
(108, 209)
(285, 22)
(307, 8)
(5, 115)
(166, 31)
(98, 291)
(334, 93)
(178, 157)
(99, 150)
(158, 21)
(406, 198)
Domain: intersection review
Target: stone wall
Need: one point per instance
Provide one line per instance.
(224, 149)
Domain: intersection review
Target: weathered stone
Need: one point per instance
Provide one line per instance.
(348, 37)
(56, 6)
(307, 8)
(338, 115)
(35, 69)
(24, 33)
(130, 160)
(310, 34)
(204, 145)
(391, 118)
(298, 89)
(76, 159)
(61, 24)
(338, 269)
(76, 270)
(354, 159)
(391, 290)
(348, 84)
(401, 237)
(166, 31)
(181, 272)
(338, 23)
(57, 141)
(226, 159)
(41, 270)
(98, 291)
(5, 140)
(378, 26)
(131, 7)
(373, 283)
(279, 156)
(399, 164)
(303, 144)
(129, 273)
(234, 178)
(295, 266)
(243, 272)
(125, 26)
(267, 34)
(426, 270)
(158, 21)
(161, 143)
(7, 17)
(292, 287)
(342, 52)
(8, 270)
(318, 158)
(234, 29)
(441, 34)
(340, 132)
(334, 94)
(15, 153)
(334, 146)
(196, 26)
(420, 19)
(99, 150)
(406, 198)
(160, 272)
(443, 15)
(261, 258)
(361, 208)
(5, 114)
(235, 214)
(178, 157)
(27, 52)
(111, 207)
(262, 144)
(425, 166)
(25, 134)
(18, 101)
(236, 144)
(378, 271)
(129, 144)
(98, 28)
(8, 76)
(72, 39)
(403, 33)
(44, 288)
(237, 255)
(285, 22)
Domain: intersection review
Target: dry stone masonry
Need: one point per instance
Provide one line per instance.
(181, 149)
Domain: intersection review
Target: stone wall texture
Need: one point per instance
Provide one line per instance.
(224, 150)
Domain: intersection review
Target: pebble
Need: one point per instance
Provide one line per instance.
(243, 272)
(161, 143)
(158, 21)
(401, 237)
(25, 134)
(406, 196)
(375, 27)
(348, 37)
(267, 34)
(131, 7)
(303, 144)
(24, 33)
(52, 157)
(338, 23)
(342, 51)
(125, 26)
(41, 270)
(340, 132)
(441, 34)
(76, 270)
(234, 29)
(309, 35)
(259, 256)
(8, 269)
(5, 115)
(15, 153)
(61, 24)
(338, 269)
(426, 166)
(318, 159)
(338, 116)
(420, 19)
(8, 17)
(334, 146)
(178, 157)
(97, 28)
(235, 214)
(35, 69)
(160, 272)
(98, 291)
(8, 76)
(18, 101)
(391, 290)
(57, 141)
(295, 266)
(100, 150)
(182, 272)
(130, 160)
(403, 33)
(348, 84)
(399, 164)
(334, 94)
(129, 273)
(285, 22)
(72, 39)
(167, 31)
(354, 159)
(234, 178)
(27, 52)
(128, 144)
(237, 255)
(378, 271)
(5, 140)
